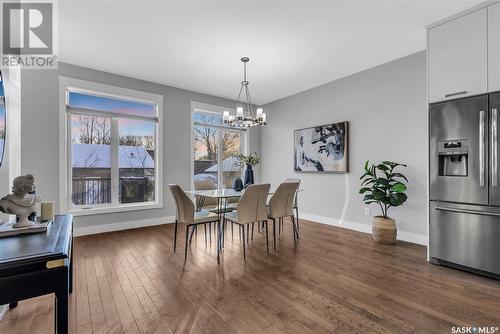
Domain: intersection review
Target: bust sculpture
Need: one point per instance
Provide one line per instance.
(22, 202)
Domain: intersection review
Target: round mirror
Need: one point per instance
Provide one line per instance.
(2, 118)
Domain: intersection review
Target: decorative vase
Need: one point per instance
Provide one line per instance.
(249, 176)
(384, 230)
(238, 184)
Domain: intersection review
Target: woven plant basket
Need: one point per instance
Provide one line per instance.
(384, 230)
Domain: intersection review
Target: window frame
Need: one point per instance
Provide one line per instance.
(67, 84)
(197, 107)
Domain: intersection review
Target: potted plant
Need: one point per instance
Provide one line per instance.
(248, 161)
(382, 185)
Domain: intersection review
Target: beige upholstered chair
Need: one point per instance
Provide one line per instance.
(209, 203)
(251, 209)
(295, 203)
(281, 206)
(187, 215)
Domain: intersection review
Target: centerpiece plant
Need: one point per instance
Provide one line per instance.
(248, 161)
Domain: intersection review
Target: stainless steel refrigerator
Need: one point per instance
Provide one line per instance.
(465, 185)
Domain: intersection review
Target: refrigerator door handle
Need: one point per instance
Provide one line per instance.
(494, 148)
(468, 211)
(481, 148)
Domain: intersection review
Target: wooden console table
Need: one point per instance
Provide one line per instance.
(32, 265)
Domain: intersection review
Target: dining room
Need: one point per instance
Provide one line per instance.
(249, 167)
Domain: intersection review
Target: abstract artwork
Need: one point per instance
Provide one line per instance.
(322, 148)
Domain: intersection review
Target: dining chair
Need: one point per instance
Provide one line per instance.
(295, 202)
(186, 214)
(251, 209)
(208, 203)
(281, 206)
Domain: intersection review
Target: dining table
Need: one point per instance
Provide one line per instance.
(222, 196)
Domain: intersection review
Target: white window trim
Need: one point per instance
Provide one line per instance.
(67, 83)
(213, 109)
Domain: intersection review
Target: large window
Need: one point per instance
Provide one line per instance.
(112, 149)
(214, 143)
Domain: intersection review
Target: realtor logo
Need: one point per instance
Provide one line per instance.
(27, 28)
(28, 38)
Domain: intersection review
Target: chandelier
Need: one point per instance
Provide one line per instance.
(245, 116)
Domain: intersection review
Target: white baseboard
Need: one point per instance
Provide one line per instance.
(366, 228)
(102, 228)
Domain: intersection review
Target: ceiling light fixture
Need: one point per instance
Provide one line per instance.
(245, 116)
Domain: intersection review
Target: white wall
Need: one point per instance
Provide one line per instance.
(386, 110)
(40, 153)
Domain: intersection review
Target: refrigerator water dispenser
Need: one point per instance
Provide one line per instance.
(453, 157)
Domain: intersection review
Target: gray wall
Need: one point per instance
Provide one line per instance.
(386, 108)
(40, 138)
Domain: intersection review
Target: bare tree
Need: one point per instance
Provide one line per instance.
(207, 137)
(94, 130)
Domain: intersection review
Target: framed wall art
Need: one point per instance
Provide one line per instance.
(322, 149)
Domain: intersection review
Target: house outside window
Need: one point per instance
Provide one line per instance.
(213, 145)
(112, 148)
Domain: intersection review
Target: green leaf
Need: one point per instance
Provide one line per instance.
(382, 167)
(398, 199)
(363, 190)
(398, 187)
(367, 182)
(378, 194)
(368, 197)
(386, 200)
(366, 165)
(399, 175)
(383, 181)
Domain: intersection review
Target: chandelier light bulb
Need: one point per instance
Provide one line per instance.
(259, 113)
(239, 113)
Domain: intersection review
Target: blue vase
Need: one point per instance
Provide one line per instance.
(249, 176)
(238, 184)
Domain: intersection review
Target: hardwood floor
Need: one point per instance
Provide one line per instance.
(335, 281)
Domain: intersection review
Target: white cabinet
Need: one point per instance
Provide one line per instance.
(494, 47)
(458, 57)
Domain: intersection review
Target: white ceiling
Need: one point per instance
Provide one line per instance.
(293, 46)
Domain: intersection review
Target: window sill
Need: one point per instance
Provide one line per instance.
(78, 211)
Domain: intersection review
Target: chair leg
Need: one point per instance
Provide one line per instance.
(252, 229)
(186, 244)
(232, 227)
(274, 233)
(298, 228)
(248, 232)
(267, 239)
(175, 235)
(205, 229)
(294, 230)
(192, 232)
(243, 243)
(210, 233)
(280, 223)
